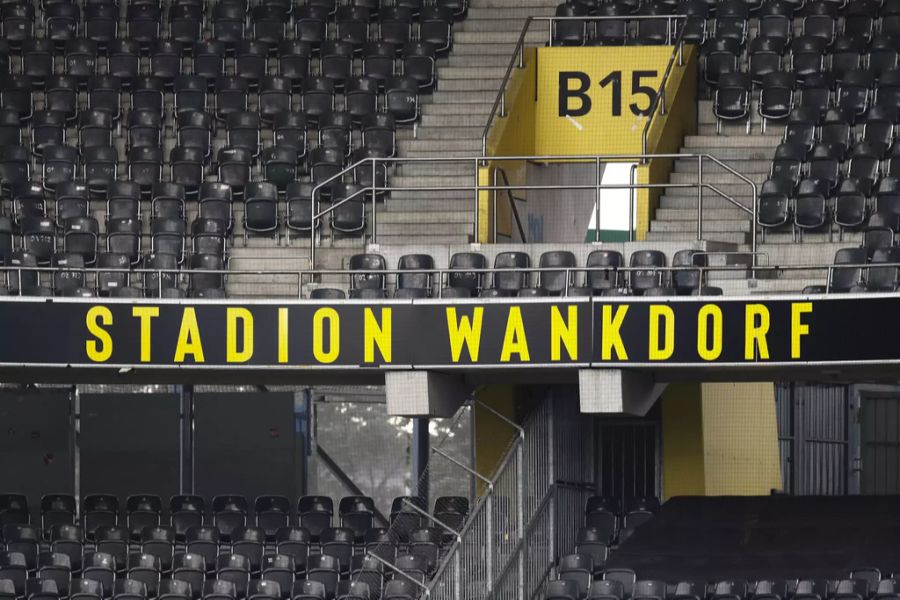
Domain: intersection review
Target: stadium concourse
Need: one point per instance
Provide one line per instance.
(449, 299)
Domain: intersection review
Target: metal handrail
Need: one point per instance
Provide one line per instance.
(443, 273)
(518, 57)
(476, 187)
(512, 204)
(678, 50)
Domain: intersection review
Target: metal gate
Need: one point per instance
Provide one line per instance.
(628, 458)
(880, 439)
(813, 434)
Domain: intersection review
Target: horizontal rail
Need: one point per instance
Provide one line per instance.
(376, 163)
(442, 274)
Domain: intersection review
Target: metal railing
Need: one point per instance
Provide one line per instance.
(475, 188)
(518, 60)
(440, 276)
(512, 199)
(526, 519)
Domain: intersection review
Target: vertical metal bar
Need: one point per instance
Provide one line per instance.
(597, 199)
(520, 513)
(314, 228)
(187, 439)
(374, 211)
(700, 197)
(755, 258)
(549, 33)
(489, 549)
(475, 233)
(494, 238)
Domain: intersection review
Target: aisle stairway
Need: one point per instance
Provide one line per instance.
(453, 121)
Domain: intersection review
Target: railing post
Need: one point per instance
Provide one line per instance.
(755, 205)
(520, 510)
(597, 199)
(494, 228)
(503, 103)
(312, 232)
(699, 196)
(489, 527)
(549, 33)
(475, 232)
(374, 217)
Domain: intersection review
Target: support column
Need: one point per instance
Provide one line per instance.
(720, 439)
(421, 452)
(423, 393)
(617, 391)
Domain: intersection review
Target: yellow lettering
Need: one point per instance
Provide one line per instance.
(514, 340)
(99, 350)
(282, 335)
(233, 315)
(464, 332)
(334, 335)
(189, 338)
(706, 350)
(564, 333)
(145, 314)
(658, 314)
(755, 344)
(798, 327)
(611, 338)
(378, 335)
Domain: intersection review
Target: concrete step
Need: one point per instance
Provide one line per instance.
(740, 191)
(512, 12)
(465, 97)
(409, 217)
(460, 132)
(460, 120)
(463, 109)
(404, 239)
(729, 154)
(448, 198)
(490, 73)
(720, 178)
(439, 180)
(695, 143)
(685, 237)
(425, 206)
(426, 229)
(743, 166)
(504, 49)
(503, 4)
(710, 226)
(512, 24)
(471, 84)
(460, 147)
(415, 169)
(535, 35)
(690, 214)
(710, 202)
(463, 60)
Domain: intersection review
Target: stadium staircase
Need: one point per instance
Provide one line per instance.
(453, 122)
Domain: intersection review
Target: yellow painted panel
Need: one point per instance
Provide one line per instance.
(594, 100)
(493, 436)
(740, 439)
(682, 441)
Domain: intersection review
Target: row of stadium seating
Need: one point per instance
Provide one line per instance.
(469, 275)
(726, 25)
(860, 270)
(226, 513)
(229, 22)
(252, 67)
(323, 577)
(579, 578)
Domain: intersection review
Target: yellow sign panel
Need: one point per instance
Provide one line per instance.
(596, 100)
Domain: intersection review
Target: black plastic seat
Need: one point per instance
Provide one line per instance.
(732, 100)
(850, 273)
(401, 99)
(293, 61)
